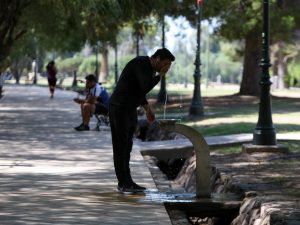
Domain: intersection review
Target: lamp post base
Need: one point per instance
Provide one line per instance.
(264, 136)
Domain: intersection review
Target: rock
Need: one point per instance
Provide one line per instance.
(249, 194)
(250, 204)
(146, 132)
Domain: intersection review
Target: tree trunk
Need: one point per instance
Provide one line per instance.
(162, 94)
(104, 65)
(74, 83)
(279, 66)
(251, 72)
(137, 44)
(10, 12)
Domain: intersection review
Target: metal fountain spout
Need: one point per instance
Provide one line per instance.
(203, 168)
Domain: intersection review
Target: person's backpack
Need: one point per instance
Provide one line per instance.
(104, 97)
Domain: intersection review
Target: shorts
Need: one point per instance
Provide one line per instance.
(52, 82)
(101, 109)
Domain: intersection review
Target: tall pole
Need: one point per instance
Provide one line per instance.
(265, 133)
(116, 63)
(97, 63)
(137, 44)
(162, 94)
(74, 83)
(207, 56)
(196, 108)
(34, 69)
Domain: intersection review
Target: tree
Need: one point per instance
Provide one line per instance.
(22, 54)
(60, 29)
(242, 20)
(246, 15)
(103, 22)
(10, 13)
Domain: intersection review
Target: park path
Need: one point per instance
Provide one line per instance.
(51, 174)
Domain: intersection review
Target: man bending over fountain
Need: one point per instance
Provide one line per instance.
(136, 80)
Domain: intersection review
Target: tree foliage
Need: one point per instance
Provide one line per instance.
(67, 24)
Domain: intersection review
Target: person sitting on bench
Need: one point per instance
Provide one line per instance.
(90, 105)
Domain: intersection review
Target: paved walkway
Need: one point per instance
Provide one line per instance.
(51, 174)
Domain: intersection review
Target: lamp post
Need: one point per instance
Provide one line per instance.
(116, 63)
(264, 133)
(196, 108)
(162, 94)
(97, 62)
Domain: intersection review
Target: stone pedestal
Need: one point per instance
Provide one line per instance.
(251, 148)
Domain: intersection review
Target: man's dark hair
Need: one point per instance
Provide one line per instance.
(164, 53)
(90, 77)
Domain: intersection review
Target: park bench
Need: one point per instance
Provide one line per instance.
(102, 120)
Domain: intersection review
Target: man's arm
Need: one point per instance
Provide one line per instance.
(90, 99)
(145, 79)
(149, 114)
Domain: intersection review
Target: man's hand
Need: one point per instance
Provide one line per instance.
(164, 69)
(78, 100)
(149, 114)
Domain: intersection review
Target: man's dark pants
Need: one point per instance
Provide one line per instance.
(123, 123)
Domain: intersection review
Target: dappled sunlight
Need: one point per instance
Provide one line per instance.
(227, 120)
(286, 118)
(52, 174)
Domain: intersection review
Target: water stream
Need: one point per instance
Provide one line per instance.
(165, 107)
(180, 108)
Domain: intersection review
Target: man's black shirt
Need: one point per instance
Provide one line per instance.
(136, 80)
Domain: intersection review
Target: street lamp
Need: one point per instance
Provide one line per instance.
(116, 63)
(196, 108)
(97, 62)
(162, 94)
(265, 133)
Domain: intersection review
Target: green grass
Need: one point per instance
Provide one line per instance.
(293, 146)
(232, 114)
(180, 90)
(277, 180)
(224, 129)
(228, 149)
(294, 193)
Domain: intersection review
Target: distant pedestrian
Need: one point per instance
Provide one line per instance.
(4, 76)
(136, 80)
(51, 75)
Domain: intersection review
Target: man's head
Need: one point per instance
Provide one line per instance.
(163, 59)
(90, 81)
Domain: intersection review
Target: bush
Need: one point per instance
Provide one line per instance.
(69, 64)
(88, 66)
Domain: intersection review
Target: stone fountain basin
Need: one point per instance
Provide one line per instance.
(167, 123)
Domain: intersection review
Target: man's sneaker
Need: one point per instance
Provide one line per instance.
(138, 187)
(82, 127)
(132, 189)
(126, 190)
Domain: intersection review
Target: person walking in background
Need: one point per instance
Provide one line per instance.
(51, 75)
(4, 76)
(136, 80)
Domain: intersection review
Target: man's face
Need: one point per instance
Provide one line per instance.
(89, 84)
